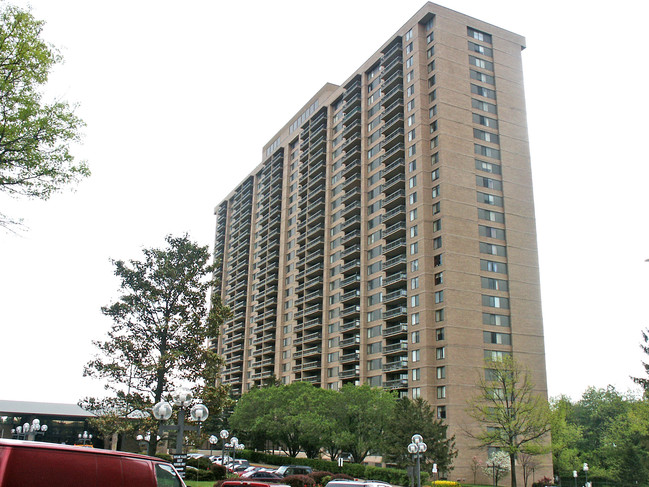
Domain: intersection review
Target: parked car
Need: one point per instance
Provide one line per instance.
(250, 483)
(286, 470)
(35, 464)
(357, 483)
(262, 476)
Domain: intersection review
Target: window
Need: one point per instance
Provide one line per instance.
(493, 249)
(414, 301)
(430, 52)
(414, 248)
(412, 165)
(476, 34)
(416, 374)
(434, 159)
(496, 320)
(414, 337)
(495, 355)
(496, 284)
(434, 142)
(437, 260)
(484, 78)
(489, 199)
(486, 136)
(413, 214)
(333, 342)
(375, 252)
(435, 191)
(436, 208)
(441, 412)
(412, 182)
(495, 301)
(441, 372)
(437, 225)
(374, 315)
(486, 121)
(414, 319)
(411, 105)
(485, 182)
(497, 338)
(439, 315)
(375, 299)
(484, 106)
(374, 237)
(374, 283)
(491, 232)
(433, 126)
(409, 63)
(441, 392)
(416, 392)
(492, 216)
(439, 278)
(332, 372)
(439, 334)
(437, 243)
(439, 297)
(374, 364)
(410, 76)
(414, 231)
(431, 81)
(485, 151)
(411, 120)
(491, 266)
(376, 267)
(415, 356)
(410, 90)
(414, 283)
(408, 35)
(412, 134)
(485, 51)
(489, 167)
(374, 348)
(481, 63)
(332, 357)
(440, 353)
(374, 331)
(414, 265)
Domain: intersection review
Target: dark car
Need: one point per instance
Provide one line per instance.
(286, 470)
(261, 476)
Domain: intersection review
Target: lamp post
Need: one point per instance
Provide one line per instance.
(574, 474)
(213, 441)
(224, 436)
(417, 447)
(84, 439)
(234, 442)
(586, 472)
(28, 431)
(162, 412)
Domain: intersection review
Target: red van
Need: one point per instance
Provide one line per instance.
(36, 464)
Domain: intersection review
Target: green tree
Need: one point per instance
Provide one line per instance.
(416, 416)
(35, 137)
(515, 418)
(162, 328)
(566, 436)
(361, 414)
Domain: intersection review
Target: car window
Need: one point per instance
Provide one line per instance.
(166, 476)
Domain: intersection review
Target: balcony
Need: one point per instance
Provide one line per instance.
(354, 264)
(394, 80)
(353, 294)
(350, 281)
(396, 213)
(350, 357)
(399, 260)
(399, 227)
(393, 247)
(393, 154)
(353, 310)
(354, 114)
(350, 325)
(396, 384)
(392, 95)
(399, 294)
(394, 278)
(350, 207)
(396, 197)
(394, 182)
(349, 342)
(390, 331)
(352, 223)
(398, 312)
(398, 365)
(346, 374)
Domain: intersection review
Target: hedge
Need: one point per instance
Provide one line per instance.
(393, 476)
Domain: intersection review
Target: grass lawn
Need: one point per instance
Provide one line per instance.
(194, 483)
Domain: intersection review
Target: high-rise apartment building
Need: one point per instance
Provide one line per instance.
(388, 235)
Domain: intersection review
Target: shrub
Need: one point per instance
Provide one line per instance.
(318, 476)
(220, 472)
(202, 463)
(299, 481)
(445, 483)
(164, 456)
(543, 482)
(341, 476)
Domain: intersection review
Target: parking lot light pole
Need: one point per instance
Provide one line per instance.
(417, 447)
(224, 436)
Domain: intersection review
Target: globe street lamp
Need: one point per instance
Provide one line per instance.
(162, 412)
(586, 472)
(84, 439)
(213, 441)
(224, 436)
(417, 447)
(28, 431)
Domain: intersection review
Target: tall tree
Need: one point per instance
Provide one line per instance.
(362, 414)
(35, 137)
(416, 416)
(515, 418)
(162, 328)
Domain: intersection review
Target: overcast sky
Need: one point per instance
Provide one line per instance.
(179, 99)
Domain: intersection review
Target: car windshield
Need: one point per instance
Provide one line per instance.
(166, 476)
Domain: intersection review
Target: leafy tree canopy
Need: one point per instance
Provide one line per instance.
(35, 137)
(162, 329)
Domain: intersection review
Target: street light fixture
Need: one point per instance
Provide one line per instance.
(586, 472)
(162, 412)
(417, 447)
(213, 441)
(84, 439)
(28, 431)
(224, 436)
